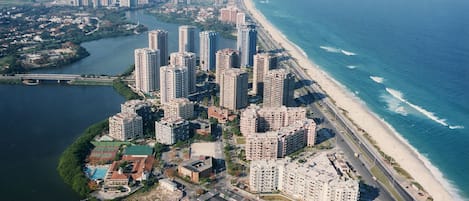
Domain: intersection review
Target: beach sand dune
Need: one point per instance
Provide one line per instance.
(387, 139)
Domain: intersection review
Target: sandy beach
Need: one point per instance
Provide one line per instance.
(387, 139)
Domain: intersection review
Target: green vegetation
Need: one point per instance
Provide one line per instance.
(10, 81)
(128, 71)
(384, 180)
(71, 161)
(225, 30)
(122, 88)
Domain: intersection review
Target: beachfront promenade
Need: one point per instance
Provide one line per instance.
(60, 78)
(343, 126)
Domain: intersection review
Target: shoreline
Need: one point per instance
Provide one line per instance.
(386, 137)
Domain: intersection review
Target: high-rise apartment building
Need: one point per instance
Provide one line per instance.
(147, 69)
(234, 89)
(158, 40)
(179, 108)
(225, 59)
(188, 60)
(229, 14)
(208, 47)
(316, 179)
(174, 83)
(187, 38)
(255, 119)
(125, 126)
(240, 19)
(169, 131)
(279, 86)
(246, 43)
(263, 62)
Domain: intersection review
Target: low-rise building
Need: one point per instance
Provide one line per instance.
(126, 171)
(171, 130)
(196, 169)
(222, 115)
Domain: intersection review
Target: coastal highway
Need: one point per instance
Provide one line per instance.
(344, 129)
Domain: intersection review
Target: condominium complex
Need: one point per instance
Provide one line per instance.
(187, 38)
(229, 14)
(147, 69)
(179, 108)
(262, 146)
(234, 89)
(158, 40)
(246, 43)
(169, 131)
(125, 126)
(174, 83)
(186, 59)
(279, 86)
(280, 143)
(208, 47)
(263, 62)
(225, 59)
(316, 179)
(255, 119)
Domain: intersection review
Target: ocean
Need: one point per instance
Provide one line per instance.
(408, 61)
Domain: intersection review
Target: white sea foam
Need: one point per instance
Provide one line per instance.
(351, 66)
(330, 49)
(377, 79)
(430, 115)
(394, 105)
(348, 53)
(455, 127)
(337, 50)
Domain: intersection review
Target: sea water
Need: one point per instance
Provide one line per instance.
(407, 60)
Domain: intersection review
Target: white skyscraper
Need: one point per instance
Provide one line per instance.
(187, 38)
(171, 130)
(208, 48)
(147, 64)
(246, 43)
(174, 83)
(158, 40)
(186, 59)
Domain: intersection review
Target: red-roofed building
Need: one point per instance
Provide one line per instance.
(127, 171)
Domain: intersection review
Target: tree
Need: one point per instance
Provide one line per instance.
(204, 114)
(170, 172)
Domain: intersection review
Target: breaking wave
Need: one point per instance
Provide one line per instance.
(337, 50)
(377, 79)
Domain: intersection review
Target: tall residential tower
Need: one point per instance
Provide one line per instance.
(187, 38)
(174, 83)
(208, 48)
(158, 40)
(246, 43)
(147, 64)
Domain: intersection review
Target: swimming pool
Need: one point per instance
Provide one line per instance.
(96, 172)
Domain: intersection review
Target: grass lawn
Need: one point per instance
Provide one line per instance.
(275, 197)
(240, 140)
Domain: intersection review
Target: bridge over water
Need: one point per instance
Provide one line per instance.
(60, 78)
